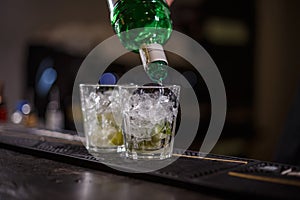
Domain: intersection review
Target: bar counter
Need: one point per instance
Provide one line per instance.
(28, 177)
(35, 165)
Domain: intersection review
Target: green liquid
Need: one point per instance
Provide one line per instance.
(139, 22)
(151, 18)
(157, 71)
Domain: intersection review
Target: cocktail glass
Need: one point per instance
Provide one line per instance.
(149, 120)
(102, 118)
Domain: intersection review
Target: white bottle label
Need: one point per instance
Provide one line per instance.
(150, 53)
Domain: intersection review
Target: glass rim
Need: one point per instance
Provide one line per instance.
(149, 86)
(128, 85)
(96, 85)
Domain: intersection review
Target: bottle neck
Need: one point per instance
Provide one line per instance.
(154, 61)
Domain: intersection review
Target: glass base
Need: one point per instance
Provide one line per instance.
(97, 150)
(152, 155)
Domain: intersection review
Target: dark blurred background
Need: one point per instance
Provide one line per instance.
(254, 43)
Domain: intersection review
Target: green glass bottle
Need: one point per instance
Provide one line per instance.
(144, 26)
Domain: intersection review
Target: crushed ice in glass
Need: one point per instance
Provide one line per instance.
(147, 110)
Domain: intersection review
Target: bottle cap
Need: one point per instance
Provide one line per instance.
(108, 79)
(150, 53)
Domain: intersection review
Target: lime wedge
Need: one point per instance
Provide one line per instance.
(117, 138)
(162, 129)
(168, 129)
